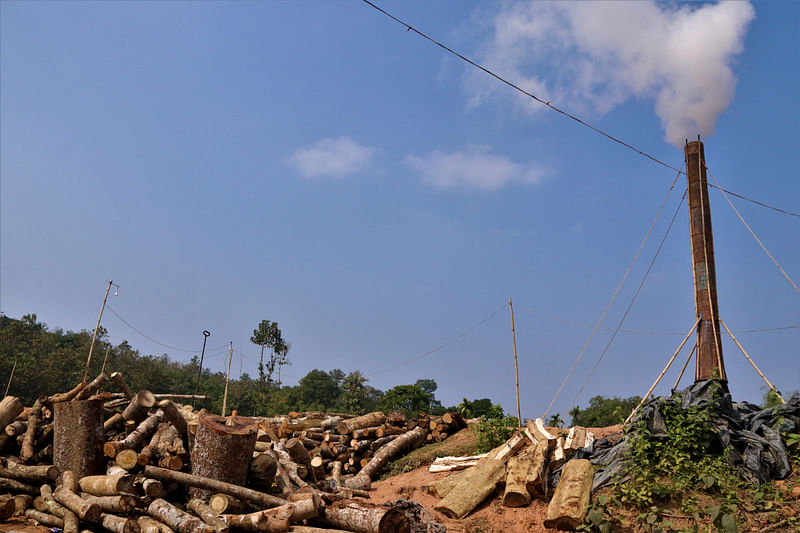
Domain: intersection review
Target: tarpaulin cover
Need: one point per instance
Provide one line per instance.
(749, 434)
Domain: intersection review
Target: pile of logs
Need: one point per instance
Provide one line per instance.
(86, 460)
(523, 465)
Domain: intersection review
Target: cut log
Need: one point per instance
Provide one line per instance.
(7, 508)
(449, 464)
(536, 481)
(93, 386)
(223, 448)
(176, 519)
(227, 504)
(10, 409)
(119, 381)
(263, 468)
(570, 503)
(535, 431)
(191, 480)
(374, 419)
(258, 521)
(297, 451)
(396, 418)
(363, 517)
(78, 437)
(127, 459)
(174, 416)
(137, 409)
(119, 524)
(110, 485)
(17, 427)
(66, 396)
(509, 448)
(22, 502)
(208, 515)
(557, 454)
(442, 487)
(402, 444)
(149, 525)
(516, 493)
(13, 485)
(121, 504)
(311, 529)
(112, 422)
(84, 509)
(26, 450)
(44, 518)
(473, 487)
(50, 505)
(40, 473)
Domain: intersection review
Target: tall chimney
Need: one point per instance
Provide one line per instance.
(709, 340)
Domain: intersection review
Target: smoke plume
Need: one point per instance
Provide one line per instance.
(593, 56)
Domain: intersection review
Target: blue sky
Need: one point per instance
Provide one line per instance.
(318, 165)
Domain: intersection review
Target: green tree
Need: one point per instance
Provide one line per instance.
(319, 390)
(268, 335)
(603, 412)
(408, 398)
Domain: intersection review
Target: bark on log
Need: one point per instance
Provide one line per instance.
(176, 519)
(222, 451)
(17, 427)
(536, 482)
(40, 473)
(516, 493)
(53, 507)
(44, 518)
(396, 418)
(10, 409)
(173, 416)
(13, 485)
(570, 503)
(22, 502)
(136, 438)
(78, 437)
(66, 396)
(84, 509)
(473, 487)
(122, 504)
(557, 454)
(297, 451)
(263, 468)
(137, 409)
(227, 504)
(442, 487)
(535, 431)
(110, 485)
(26, 451)
(119, 381)
(258, 521)
(119, 524)
(93, 386)
(374, 419)
(150, 525)
(208, 515)
(404, 443)
(363, 517)
(191, 480)
(112, 422)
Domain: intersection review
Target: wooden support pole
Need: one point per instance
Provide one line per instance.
(516, 366)
(770, 385)
(8, 387)
(709, 342)
(227, 378)
(94, 336)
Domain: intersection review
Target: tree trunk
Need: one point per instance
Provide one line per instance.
(516, 493)
(473, 487)
(122, 504)
(191, 480)
(78, 437)
(177, 519)
(404, 443)
(570, 503)
(363, 517)
(222, 451)
(374, 419)
(10, 409)
(536, 481)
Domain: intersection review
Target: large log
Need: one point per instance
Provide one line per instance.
(119, 381)
(26, 450)
(93, 386)
(139, 405)
(191, 480)
(136, 438)
(78, 437)
(516, 493)
(149, 525)
(404, 443)
(122, 504)
(7, 508)
(40, 473)
(473, 487)
(45, 519)
(67, 396)
(223, 448)
(10, 409)
(363, 517)
(18, 486)
(53, 507)
(570, 503)
(119, 524)
(84, 509)
(176, 519)
(110, 485)
(174, 416)
(536, 481)
(374, 419)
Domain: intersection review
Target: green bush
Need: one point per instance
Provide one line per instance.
(494, 428)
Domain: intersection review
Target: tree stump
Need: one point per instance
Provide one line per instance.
(78, 437)
(223, 448)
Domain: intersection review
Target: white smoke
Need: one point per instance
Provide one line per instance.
(592, 56)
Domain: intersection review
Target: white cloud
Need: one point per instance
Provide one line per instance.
(474, 168)
(593, 56)
(332, 157)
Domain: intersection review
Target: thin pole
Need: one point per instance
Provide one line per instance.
(516, 366)
(105, 359)
(206, 334)
(8, 387)
(630, 416)
(694, 348)
(770, 385)
(91, 347)
(227, 378)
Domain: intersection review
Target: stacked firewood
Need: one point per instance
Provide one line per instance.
(523, 464)
(86, 461)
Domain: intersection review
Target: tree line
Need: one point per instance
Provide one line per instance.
(50, 361)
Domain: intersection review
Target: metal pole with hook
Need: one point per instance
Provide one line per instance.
(206, 334)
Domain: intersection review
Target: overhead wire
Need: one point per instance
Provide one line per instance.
(614, 296)
(547, 103)
(633, 300)
(724, 193)
(762, 204)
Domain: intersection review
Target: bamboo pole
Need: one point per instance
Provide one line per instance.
(105, 360)
(677, 381)
(8, 387)
(644, 399)
(516, 365)
(94, 337)
(227, 378)
(770, 385)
